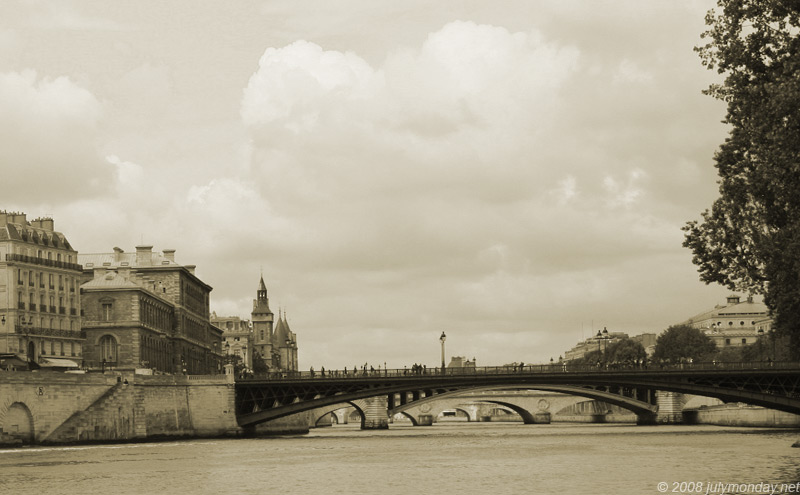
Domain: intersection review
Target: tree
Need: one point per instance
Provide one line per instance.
(626, 351)
(683, 342)
(259, 365)
(750, 239)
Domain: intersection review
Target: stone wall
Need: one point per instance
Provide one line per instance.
(49, 407)
(741, 415)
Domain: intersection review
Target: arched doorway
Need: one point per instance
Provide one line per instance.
(31, 352)
(18, 423)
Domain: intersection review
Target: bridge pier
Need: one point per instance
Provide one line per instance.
(647, 419)
(541, 418)
(670, 407)
(376, 415)
(425, 420)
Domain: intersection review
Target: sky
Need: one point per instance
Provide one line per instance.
(513, 173)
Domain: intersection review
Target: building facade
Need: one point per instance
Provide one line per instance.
(144, 310)
(39, 292)
(735, 323)
(237, 338)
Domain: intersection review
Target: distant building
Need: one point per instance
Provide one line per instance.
(237, 337)
(276, 343)
(648, 341)
(597, 343)
(735, 323)
(461, 362)
(144, 310)
(39, 297)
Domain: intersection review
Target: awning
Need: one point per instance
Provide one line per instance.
(57, 363)
(12, 361)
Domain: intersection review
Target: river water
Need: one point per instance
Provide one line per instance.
(447, 458)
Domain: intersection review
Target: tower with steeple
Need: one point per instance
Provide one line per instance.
(286, 343)
(262, 319)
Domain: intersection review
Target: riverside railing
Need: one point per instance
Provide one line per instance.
(527, 369)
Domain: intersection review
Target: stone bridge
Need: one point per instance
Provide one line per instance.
(534, 407)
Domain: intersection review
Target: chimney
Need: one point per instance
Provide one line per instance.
(118, 254)
(190, 268)
(170, 255)
(18, 218)
(144, 255)
(124, 272)
(47, 223)
(100, 272)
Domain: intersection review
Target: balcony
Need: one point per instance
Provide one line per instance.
(32, 306)
(52, 309)
(48, 332)
(21, 305)
(72, 311)
(62, 310)
(44, 262)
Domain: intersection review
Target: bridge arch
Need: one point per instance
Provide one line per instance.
(17, 423)
(321, 412)
(526, 415)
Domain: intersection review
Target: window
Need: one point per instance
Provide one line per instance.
(52, 348)
(106, 311)
(727, 341)
(108, 349)
(741, 323)
(61, 347)
(744, 341)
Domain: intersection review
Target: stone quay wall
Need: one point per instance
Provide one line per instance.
(48, 407)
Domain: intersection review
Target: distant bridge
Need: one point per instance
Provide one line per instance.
(773, 385)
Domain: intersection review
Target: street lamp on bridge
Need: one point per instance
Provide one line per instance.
(602, 342)
(442, 339)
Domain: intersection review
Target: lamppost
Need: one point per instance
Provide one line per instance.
(602, 342)
(442, 339)
(24, 327)
(3, 321)
(289, 355)
(760, 344)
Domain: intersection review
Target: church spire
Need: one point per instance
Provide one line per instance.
(261, 305)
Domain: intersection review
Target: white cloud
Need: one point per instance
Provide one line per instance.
(629, 72)
(48, 130)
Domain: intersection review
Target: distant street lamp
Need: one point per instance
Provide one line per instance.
(442, 339)
(602, 342)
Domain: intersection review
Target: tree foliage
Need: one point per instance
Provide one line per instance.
(259, 364)
(625, 351)
(681, 342)
(749, 241)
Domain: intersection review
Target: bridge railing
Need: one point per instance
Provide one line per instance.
(520, 369)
